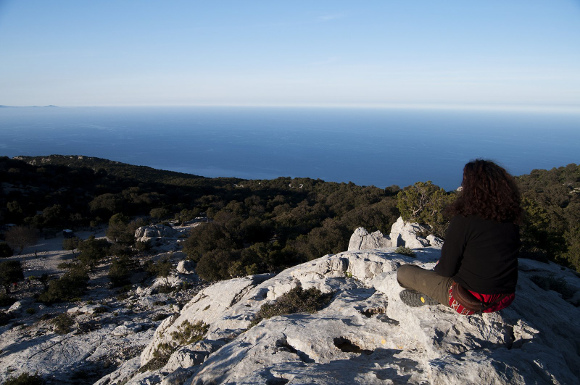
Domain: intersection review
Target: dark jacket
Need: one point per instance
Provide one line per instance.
(481, 255)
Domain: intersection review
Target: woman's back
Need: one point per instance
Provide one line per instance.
(481, 254)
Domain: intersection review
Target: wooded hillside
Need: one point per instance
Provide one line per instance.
(256, 225)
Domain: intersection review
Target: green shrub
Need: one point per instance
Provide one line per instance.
(159, 213)
(165, 289)
(159, 317)
(6, 300)
(71, 243)
(160, 357)
(68, 287)
(62, 323)
(100, 310)
(405, 251)
(5, 318)
(161, 268)
(122, 296)
(5, 250)
(187, 334)
(20, 237)
(10, 272)
(25, 379)
(295, 301)
(119, 230)
(93, 250)
(120, 272)
(67, 265)
(120, 250)
(143, 246)
(190, 333)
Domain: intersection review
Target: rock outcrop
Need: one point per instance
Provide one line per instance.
(402, 234)
(155, 233)
(366, 335)
(186, 267)
(408, 234)
(362, 240)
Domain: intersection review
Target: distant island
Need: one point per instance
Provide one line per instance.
(49, 106)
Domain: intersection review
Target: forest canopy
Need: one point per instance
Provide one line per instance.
(256, 226)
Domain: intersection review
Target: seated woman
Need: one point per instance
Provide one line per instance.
(480, 252)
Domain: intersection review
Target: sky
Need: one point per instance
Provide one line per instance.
(307, 53)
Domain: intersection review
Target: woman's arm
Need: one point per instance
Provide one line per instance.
(453, 247)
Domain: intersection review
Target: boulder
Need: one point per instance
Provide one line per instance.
(408, 234)
(362, 240)
(155, 233)
(186, 267)
(435, 241)
(402, 234)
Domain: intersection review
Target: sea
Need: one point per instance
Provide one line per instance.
(366, 146)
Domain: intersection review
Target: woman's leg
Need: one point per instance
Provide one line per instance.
(427, 282)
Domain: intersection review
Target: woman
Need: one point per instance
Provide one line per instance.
(481, 246)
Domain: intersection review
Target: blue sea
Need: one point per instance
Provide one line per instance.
(380, 147)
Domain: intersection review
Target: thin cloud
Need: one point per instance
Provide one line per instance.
(330, 17)
(327, 61)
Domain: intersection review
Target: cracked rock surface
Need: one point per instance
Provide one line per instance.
(366, 335)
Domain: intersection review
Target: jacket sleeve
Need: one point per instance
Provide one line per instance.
(453, 247)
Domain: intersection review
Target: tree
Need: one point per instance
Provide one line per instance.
(5, 250)
(119, 230)
(53, 216)
(188, 215)
(424, 203)
(573, 253)
(106, 204)
(71, 243)
(120, 272)
(10, 273)
(161, 268)
(206, 238)
(215, 264)
(20, 237)
(539, 239)
(71, 285)
(159, 213)
(93, 250)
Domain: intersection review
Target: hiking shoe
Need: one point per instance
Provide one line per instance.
(415, 299)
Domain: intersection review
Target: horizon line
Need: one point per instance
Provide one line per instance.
(546, 108)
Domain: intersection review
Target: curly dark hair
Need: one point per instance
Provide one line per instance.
(488, 191)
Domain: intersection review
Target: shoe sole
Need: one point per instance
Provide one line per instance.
(415, 299)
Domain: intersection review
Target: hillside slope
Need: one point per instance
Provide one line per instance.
(366, 335)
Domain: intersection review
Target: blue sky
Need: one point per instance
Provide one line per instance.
(362, 53)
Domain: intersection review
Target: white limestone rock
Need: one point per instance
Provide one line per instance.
(17, 306)
(158, 232)
(186, 267)
(406, 234)
(402, 234)
(434, 241)
(57, 356)
(123, 373)
(362, 240)
(207, 306)
(366, 335)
